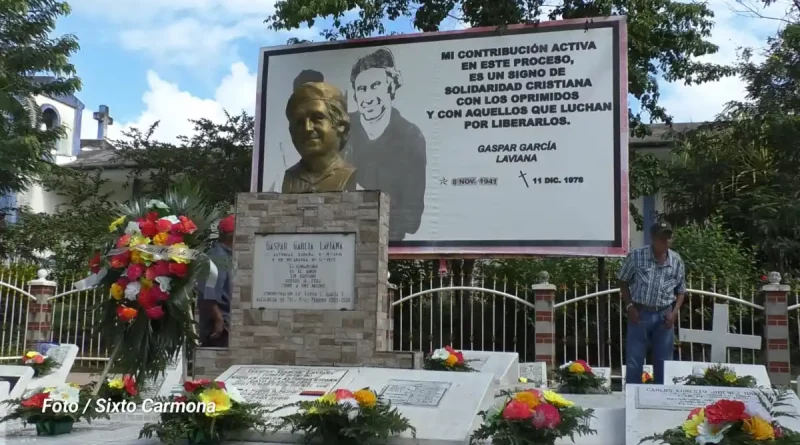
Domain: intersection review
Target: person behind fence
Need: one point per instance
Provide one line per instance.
(652, 286)
(215, 303)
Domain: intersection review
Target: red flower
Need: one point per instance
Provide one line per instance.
(763, 278)
(459, 357)
(516, 410)
(148, 228)
(343, 394)
(164, 225)
(777, 431)
(174, 238)
(220, 385)
(155, 313)
(725, 411)
(185, 225)
(694, 412)
(38, 359)
(158, 294)
(151, 216)
(94, 263)
(35, 401)
(178, 269)
(135, 271)
(123, 282)
(123, 241)
(227, 224)
(449, 349)
(192, 385)
(158, 269)
(130, 385)
(546, 416)
(585, 366)
(146, 300)
(126, 313)
(121, 260)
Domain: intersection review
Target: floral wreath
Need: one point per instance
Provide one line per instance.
(41, 364)
(578, 378)
(447, 359)
(716, 375)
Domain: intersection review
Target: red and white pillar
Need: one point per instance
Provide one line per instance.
(776, 330)
(40, 312)
(544, 295)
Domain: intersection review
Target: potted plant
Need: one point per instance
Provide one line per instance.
(344, 417)
(447, 359)
(53, 410)
(205, 413)
(532, 417)
(41, 364)
(578, 378)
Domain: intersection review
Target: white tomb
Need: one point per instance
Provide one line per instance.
(18, 377)
(720, 337)
(64, 355)
(535, 372)
(167, 383)
(442, 405)
(5, 388)
(673, 369)
(652, 409)
(504, 365)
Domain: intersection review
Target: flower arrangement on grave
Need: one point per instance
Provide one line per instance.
(41, 364)
(647, 377)
(447, 359)
(578, 378)
(732, 422)
(120, 389)
(344, 417)
(716, 375)
(532, 417)
(147, 270)
(206, 413)
(46, 408)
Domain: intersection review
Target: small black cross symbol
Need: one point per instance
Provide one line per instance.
(443, 181)
(522, 175)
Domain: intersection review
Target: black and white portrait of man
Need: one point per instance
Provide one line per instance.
(387, 150)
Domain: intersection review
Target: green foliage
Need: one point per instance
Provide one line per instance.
(521, 431)
(570, 382)
(27, 47)
(566, 271)
(744, 166)
(710, 250)
(717, 375)
(33, 411)
(40, 369)
(354, 423)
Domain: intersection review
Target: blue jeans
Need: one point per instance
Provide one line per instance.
(650, 331)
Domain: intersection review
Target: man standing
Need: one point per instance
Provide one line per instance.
(387, 150)
(215, 303)
(652, 284)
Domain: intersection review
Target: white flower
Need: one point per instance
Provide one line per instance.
(707, 433)
(132, 228)
(157, 204)
(132, 290)
(756, 409)
(172, 219)
(698, 371)
(440, 354)
(234, 393)
(66, 394)
(565, 365)
(351, 405)
(165, 283)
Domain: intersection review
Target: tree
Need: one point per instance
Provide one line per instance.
(665, 38)
(744, 166)
(217, 156)
(27, 49)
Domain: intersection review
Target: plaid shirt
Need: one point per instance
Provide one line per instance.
(652, 284)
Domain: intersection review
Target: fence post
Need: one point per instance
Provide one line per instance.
(776, 330)
(544, 295)
(40, 312)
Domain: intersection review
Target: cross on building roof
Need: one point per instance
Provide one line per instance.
(719, 337)
(104, 119)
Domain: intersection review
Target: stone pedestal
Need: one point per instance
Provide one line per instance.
(358, 337)
(544, 299)
(40, 312)
(776, 330)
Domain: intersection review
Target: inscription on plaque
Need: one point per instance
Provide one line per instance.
(304, 271)
(275, 387)
(535, 372)
(684, 398)
(414, 393)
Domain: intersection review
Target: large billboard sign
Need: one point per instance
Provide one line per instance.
(489, 142)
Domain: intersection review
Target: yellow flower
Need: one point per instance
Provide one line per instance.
(528, 398)
(577, 368)
(161, 239)
(116, 223)
(556, 400)
(74, 385)
(328, 398)
(451, 360)
(116, 384)
(690, 425)
(523, 380)
(759, 428)
(146, 284)
(49, 390)
(730, 377)
(31, 354)
(220, 399)
(139, 240)
(117, 292)
(177, 253)
(313, 410)
(365, 398)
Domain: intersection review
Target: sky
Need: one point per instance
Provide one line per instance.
(171, 61)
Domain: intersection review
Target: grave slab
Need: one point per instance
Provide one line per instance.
(673, 369)
(720, 338)
(651, 409)
(18, 377)
(535, 372)
(504, 365)
(605, 373)
(100, 431)
(167, 383)
(64, 355)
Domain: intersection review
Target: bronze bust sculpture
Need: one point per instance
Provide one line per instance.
(319, 125)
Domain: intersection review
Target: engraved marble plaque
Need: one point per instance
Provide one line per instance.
(414, 393)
